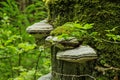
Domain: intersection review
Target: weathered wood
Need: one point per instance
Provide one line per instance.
(63, 70)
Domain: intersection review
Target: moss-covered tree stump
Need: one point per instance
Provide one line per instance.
(76, 63)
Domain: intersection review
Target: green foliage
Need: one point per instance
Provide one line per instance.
(32, 12)
(11, 47)
(112, 36)
(25, 75)
(36, 11)
(70, 29)
(18, 52)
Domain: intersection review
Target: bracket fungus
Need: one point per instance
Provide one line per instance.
(40, 29)
(80, 54)
(69, 43)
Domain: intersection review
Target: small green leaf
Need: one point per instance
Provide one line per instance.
(87, 26)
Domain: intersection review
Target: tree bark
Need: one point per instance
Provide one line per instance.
(63, 70)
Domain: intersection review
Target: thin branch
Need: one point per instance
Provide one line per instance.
(103, 70)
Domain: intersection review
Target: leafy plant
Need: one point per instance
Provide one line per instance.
(112, 36)
(77, 30)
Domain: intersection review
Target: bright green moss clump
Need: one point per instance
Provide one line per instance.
(77, 30)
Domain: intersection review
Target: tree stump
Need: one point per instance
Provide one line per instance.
(72, 64)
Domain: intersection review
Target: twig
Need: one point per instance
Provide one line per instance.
(103, 70)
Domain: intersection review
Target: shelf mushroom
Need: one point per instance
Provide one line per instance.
(40, 29)
(80, 54)
(63, 44)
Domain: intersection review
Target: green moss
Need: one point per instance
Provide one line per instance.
(91, 11)
(105, 14)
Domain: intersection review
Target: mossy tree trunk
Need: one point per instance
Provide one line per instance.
(105, 14)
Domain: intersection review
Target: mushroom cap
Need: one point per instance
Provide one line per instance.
(80, 54)
(40, 27)
(69, 43)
